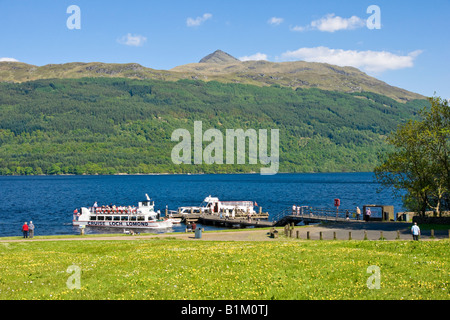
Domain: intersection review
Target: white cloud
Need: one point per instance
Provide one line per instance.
(275, 21)
(299, 28)
(370, 61)
(198, 21)
(332, 23)
(132, 40)
(256, 56)
(5, 59)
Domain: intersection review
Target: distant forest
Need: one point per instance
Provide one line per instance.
(116, 125)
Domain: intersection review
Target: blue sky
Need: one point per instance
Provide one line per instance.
(410, 49)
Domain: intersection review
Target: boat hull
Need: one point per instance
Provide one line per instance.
(126, 224)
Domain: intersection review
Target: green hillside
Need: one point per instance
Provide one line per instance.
(118, 125)
(219, 66)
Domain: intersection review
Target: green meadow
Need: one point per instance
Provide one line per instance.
(167, 269)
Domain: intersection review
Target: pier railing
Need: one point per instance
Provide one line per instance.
(311, 213)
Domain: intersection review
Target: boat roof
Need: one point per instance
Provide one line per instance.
(211, 199)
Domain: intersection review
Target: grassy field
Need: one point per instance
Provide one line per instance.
(176, 269)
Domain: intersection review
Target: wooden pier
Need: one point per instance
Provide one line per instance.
(243, 222)
(261, 220)
(187, 218)
(237, 222)
(283, 218)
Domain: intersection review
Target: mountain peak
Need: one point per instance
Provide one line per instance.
(218, 56)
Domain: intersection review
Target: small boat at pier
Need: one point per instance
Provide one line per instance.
(214, 206)
(126, 217)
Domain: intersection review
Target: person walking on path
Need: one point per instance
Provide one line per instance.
(25, 230)
(415, 231)
(31, 229)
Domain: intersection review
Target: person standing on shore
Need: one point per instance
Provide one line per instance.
(368, 214)
(25, 230)
(358, 213)
(31, 229)
(415, 231)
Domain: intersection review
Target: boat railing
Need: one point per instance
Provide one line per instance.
(112, 210)
(237, 203)
(316, 212)
(189, 210)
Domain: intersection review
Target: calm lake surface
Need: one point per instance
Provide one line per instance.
(50, 200)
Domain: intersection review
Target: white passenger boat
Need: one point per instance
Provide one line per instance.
(216, 206)
(213, 205)
(126, 217)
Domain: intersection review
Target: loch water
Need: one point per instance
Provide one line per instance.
(49, 201)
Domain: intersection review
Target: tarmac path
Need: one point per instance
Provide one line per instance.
(374, 230)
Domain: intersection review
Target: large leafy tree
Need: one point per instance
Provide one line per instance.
(419, 168)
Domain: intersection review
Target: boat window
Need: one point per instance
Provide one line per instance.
(108, 218)
(124, 218)
(116, 218)
(141, 218)
(93, 218)
(133, 218)
(101, 218)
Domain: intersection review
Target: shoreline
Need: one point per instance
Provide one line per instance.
(335, 231)
(174, 173)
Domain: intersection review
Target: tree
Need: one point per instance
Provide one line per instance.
(54, 169)
(420, 164)
(436, 133)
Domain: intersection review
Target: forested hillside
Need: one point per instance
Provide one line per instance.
(117, 125)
